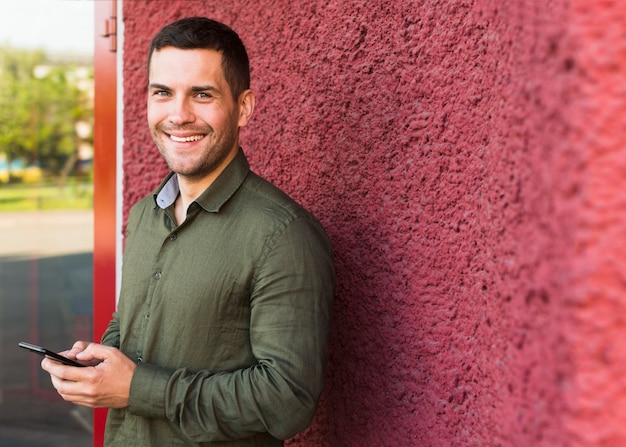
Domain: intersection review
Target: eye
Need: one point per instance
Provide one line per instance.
(159, 92)
(204, 95)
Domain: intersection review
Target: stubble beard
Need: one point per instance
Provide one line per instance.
(216, 151)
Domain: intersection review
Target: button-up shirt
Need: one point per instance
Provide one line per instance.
(227, 316)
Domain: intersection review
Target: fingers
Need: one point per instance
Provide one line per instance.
(95, 353)
(95, 350)
(105, 385)
(76, 385)
(78, 347)
(61, 371)
(82, 392)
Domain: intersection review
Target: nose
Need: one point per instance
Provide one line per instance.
(181, 112)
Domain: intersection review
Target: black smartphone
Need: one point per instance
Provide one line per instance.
(47, 353)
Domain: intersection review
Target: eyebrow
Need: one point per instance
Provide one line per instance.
(199, 88)
(158, 87)
(204, 88)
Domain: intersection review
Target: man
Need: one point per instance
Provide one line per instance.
(222, 328)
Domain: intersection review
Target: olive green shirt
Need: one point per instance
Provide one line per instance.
(227, 316)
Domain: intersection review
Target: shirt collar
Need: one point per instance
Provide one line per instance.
(167, 192)
(216, 194)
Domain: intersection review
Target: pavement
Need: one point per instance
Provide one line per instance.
(46, 299)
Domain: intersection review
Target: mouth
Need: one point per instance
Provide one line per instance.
(186, 139)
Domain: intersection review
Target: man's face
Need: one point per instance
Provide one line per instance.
(192, 115)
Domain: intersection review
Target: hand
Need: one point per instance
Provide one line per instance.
(106, 383)
(77, 348)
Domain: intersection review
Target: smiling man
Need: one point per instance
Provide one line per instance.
(221, 334)
(194, 117)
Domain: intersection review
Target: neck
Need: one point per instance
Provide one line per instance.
(192, 187)
(189, 190)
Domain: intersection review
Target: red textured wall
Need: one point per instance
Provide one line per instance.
(466, 159)
(596, 329)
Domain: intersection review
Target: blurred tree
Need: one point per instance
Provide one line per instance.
(40, 104)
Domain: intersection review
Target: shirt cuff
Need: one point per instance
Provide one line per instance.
(147, 391)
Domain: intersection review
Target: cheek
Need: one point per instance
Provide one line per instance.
(154, 115)
(222, 121)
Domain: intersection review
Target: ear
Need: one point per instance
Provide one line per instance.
(247, 101)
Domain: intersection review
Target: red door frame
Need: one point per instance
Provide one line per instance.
(105, 182)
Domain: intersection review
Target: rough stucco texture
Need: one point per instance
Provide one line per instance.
(596, 329)
(444, 146)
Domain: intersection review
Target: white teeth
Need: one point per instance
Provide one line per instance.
(186, 139)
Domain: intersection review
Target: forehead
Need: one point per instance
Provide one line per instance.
(177, 65)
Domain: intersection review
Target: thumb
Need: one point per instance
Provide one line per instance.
(94, 351)
(79, 346)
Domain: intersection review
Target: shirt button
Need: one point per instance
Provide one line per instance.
(147, 316)
(173, 237)
(157, 275)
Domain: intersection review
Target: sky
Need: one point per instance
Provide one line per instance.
(56, 26)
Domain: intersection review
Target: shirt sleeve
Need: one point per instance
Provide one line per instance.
(290, 322)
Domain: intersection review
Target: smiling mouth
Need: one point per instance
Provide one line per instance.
(188, 139)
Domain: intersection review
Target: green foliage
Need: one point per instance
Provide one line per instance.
(40, 103)
(73, 195)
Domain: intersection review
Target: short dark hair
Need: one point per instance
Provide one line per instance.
(193, 33)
